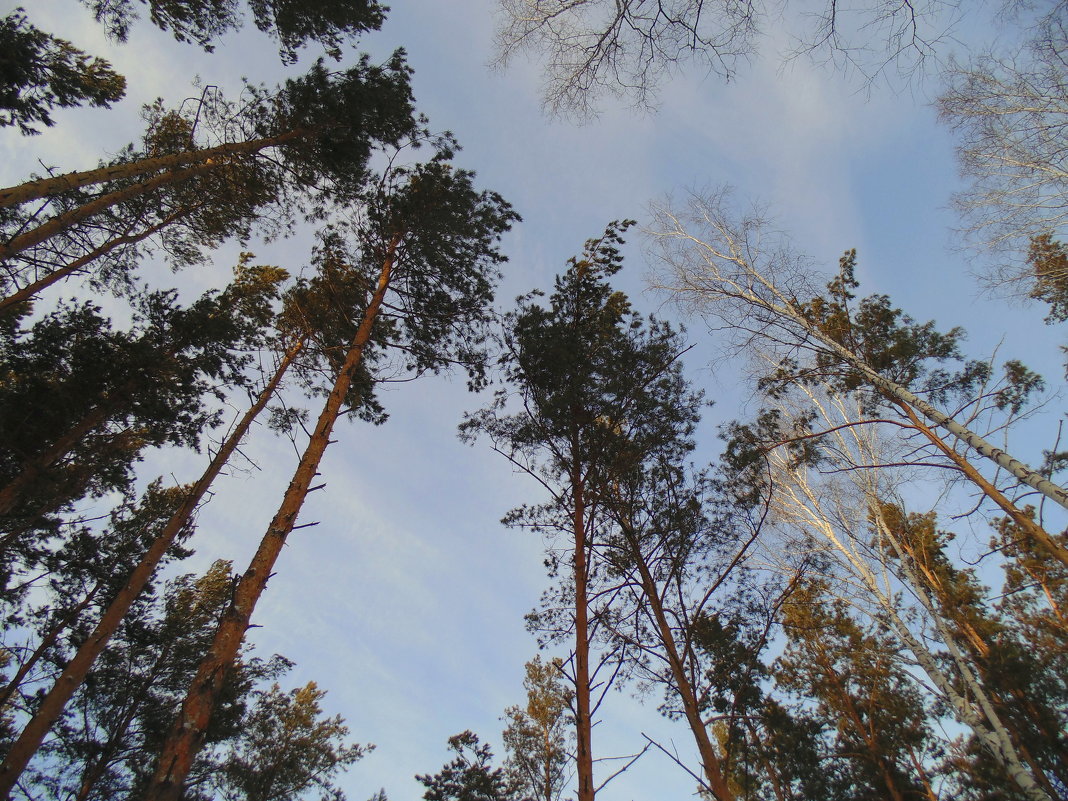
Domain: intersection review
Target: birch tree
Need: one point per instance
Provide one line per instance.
(735, 270)
(1010, 112)
(832, 499)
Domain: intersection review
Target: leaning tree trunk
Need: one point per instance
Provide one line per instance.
(1055, 550)
(1018, 469)
(53, 704)
(710, 761)
(61, 222)
(31, 289)
(186, 736)
(44, 187)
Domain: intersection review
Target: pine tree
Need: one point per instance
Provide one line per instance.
(428, 239)
(594, 381)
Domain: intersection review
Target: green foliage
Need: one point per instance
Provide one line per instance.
(447, 261)
(286, 748)
(293, 24)
(79, 401)
(590, 373)
(39, 72)
(470, 776)
(883, 337)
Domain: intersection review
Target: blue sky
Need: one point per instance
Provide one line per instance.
(406, 603)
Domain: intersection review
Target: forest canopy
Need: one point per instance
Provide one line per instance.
(716, 472)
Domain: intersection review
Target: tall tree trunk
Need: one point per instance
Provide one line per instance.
(74, 673)
(583, 723)
(187, 734)
(30, 290)
(710, 761)
(1021, 471)
(43, 187)
(61, 222)
(1051, 546)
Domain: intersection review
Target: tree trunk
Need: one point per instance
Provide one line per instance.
(1021, 471)
(74, 673)
(43, 187)
(710, 760)
(1023, 521)
(46, 642)
(62, 222)
(30, 290)
(187, 734)
(583, 724)
(12, 493)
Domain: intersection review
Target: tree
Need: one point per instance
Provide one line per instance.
(829, 502)
(429, 239)
(285, 748)
(1010, 113)
(595, 47)
(863, 693)
(315, 316)
(299, 148)
(40, 72)
(674, 568)
(82, 400)
(327, 22)
(537, 737)
(591, 381)
(154, 384)
(107, 738)
(1019, 673)
(470, 776)
(720, 266)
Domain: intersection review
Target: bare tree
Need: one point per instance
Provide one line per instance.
(1011, 113)
(628, 48)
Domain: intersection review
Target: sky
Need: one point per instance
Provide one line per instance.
(406, 602)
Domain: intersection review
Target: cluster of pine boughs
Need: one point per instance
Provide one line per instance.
(819, 633)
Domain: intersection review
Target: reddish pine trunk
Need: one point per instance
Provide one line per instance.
(31, 190)
(583, 724)
(62, 222)
(76, 670)
(710, 760)
(32, 289)
(187, 734)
